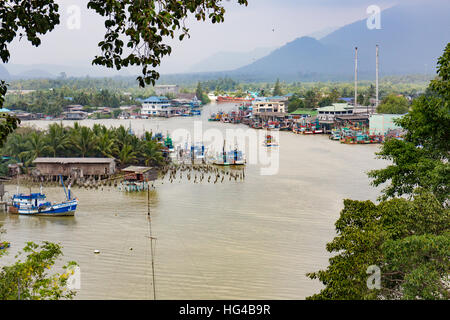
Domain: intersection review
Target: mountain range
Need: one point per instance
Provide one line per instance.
(411, 38)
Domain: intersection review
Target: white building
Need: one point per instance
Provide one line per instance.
(269, 106)
(157, 107)
(337, 109)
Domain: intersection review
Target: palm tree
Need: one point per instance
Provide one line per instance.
(106, 145)
(36, 146)
(57, 139)
(127, 155)
(84, 140)
(151, 151)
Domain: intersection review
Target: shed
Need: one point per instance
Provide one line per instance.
(81, 167)
(135, 173)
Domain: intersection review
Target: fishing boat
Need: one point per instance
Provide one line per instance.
(270, 141)
(169, 144)
(232, 158)
(335, 136)
(37, 204)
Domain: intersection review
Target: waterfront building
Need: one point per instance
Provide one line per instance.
(381, 124)
(157, 107)
(269, 110)
(75, 115)
(261, 107)
(329, 113)
(135, 173)
(76, 167)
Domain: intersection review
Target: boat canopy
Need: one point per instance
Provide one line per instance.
(29, 196)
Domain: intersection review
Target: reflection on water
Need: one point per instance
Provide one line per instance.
(251, 239)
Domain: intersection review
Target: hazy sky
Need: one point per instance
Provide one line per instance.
(264, 23)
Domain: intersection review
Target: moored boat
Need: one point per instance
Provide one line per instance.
(37, 204)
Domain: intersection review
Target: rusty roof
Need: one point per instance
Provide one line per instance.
(73, 160)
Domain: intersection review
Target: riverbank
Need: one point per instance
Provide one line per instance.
(246, 239)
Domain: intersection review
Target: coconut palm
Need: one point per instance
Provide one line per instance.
(106, 145)
(57, 139)
(152, 154)
(36, 146)
(83, 140)
(127, 155)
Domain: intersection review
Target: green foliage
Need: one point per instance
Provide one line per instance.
(407, 239)
(393, 104)
(51, 102)
(311, 99)
(277, 90)
(419, 267)
(145, 25)
(201, 95)
(25, 19)
(421, 160)
(29, 280)
(79, 141)
(294, 103)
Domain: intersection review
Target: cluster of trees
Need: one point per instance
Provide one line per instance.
(52, 102)
(393, 104)
(26, 144)
(30, 279)
(201, 95)
(222, 84)
(400, 248)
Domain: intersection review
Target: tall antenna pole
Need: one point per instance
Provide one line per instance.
(151, 238)
(377, 101)
(356, 78)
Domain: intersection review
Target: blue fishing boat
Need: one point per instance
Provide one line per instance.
(37, 204)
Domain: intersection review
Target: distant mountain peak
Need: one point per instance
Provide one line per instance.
(411, 39)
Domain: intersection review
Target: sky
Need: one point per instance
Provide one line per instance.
(263, 23)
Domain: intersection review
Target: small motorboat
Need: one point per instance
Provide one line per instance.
(270, 141)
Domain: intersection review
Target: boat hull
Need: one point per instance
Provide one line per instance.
(57, 210)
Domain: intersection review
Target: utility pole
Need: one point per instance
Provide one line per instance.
(151, 238)
(356, 78)
(377, 101)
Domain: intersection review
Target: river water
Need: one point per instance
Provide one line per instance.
(250, 239)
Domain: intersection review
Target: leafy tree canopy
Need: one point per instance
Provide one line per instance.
(29, 279)
(393, 104)
(408, 240)
(421, 159)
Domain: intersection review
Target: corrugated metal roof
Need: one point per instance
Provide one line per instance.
(73, 160)
(137, 169)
